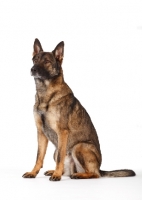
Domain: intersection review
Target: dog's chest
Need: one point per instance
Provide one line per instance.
(49, 118)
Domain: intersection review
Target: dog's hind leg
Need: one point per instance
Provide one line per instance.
(86, 161)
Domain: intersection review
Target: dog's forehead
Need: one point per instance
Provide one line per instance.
(45, 55)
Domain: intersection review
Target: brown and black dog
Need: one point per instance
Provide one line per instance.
(61, 119)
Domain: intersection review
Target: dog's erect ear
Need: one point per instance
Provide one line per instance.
(37, 47)
(59, 52)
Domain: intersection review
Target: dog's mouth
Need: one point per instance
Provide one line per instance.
(43, 74)
(36, 75)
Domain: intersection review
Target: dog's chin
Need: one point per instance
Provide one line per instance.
(36, 76)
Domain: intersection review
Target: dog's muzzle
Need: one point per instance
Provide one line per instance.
(36, 72)
(33, 70)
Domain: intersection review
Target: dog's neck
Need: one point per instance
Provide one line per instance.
(47, 89)
(42, 86)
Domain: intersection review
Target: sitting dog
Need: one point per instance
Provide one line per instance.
(61, 119)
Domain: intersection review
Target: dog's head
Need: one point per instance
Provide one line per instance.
(47, 64)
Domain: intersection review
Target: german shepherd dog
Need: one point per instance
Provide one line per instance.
(61, 119)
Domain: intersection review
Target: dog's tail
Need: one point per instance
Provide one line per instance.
(118, 173)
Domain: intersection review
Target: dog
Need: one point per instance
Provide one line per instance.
(61, 119)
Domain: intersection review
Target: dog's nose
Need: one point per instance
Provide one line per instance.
(33, 69)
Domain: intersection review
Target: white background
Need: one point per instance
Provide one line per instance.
(102, 65)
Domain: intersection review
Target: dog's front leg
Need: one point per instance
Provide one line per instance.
(62, 144)
(42, 146)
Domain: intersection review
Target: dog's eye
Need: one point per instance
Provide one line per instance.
(36, 59)
(46, 61)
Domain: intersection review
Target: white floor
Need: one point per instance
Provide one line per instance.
(13, 186)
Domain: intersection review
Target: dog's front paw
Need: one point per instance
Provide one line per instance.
(29, 175)
(49, 173)
(55, 178)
